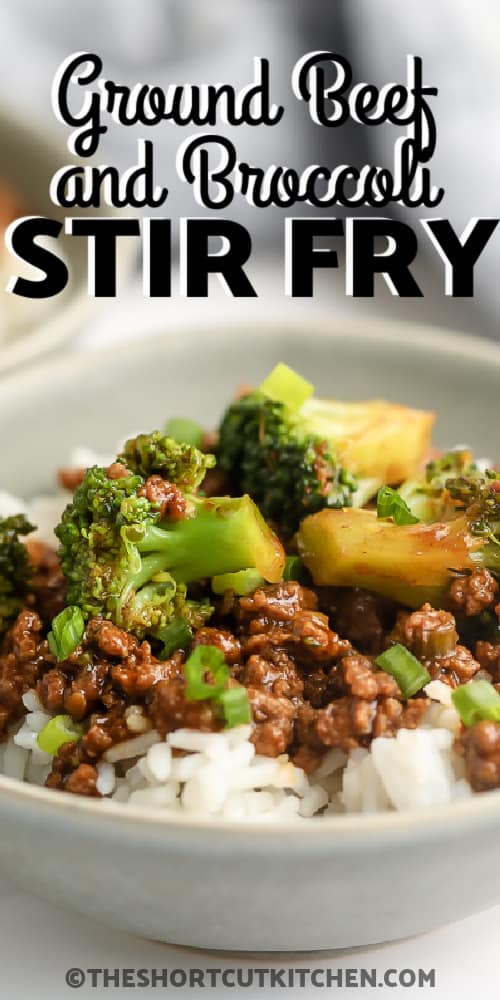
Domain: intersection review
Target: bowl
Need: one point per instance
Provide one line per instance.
(31, 327)
(319, 884)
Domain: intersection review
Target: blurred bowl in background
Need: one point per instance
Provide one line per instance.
(31, 327)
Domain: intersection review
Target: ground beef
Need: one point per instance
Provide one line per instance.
(480, 747)
(343, 724)
(222, 639)
(47, 583)
(276, 673)
(278, 602)
(285, 616)
(488, 654)
(364, 681)
(426, 632)
(169, 709)
(105, 730)
(78, 695)
(457, 668)
(474, 592)
(23, 656)
(273, 718)
(287, 646)
(307, 637)
(392, 715)
(308, 688)
(108, 672)
(72, 773)
(359, 616)
(432, 637)
(350, 722)
(92, 677)
(170, 500)
(371, 705)
(109, 639)
(117, 470)
(82, 781)
(322, 685)
(70, 478)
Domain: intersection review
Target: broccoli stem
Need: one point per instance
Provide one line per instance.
(150, 566)
(222, 535)
(409, 563)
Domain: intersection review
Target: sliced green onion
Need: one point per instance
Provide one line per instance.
(475, 701)
(67, 632)
(233, 703)
(294, 569)
(410, 675)
(242, 582)
(61, 729)
(439, 638)
(391, 504)
(175, 636)
(235, 707)
(203, 660)
(287, 387)
(185, 431)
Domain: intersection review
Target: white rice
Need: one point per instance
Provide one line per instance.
(220, 774)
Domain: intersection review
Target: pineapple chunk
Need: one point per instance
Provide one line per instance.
(409, 563)
(373, 439)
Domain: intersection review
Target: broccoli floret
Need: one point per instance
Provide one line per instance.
(409, 563)
(288, 473)
(157, 454)
(478, 496)
(15, 569)
(127, 562)
(427, 496)
(296, 455)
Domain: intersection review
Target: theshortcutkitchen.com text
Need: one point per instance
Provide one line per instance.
(87, 102)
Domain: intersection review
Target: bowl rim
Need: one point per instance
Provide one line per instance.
(341, 829)
(406, 336)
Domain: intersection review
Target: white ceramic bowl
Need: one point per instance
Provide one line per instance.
(337, 882)
(29, 328)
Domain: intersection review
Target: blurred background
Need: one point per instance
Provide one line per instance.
(176, 41)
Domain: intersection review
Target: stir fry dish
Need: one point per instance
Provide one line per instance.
(295, 615)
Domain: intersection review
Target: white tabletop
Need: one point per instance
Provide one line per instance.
(39, 943)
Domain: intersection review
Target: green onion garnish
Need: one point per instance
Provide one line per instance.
(475, 701)
(233, 703)
(185, 431)
(235, 707)
(391, 504)
(409, 673)
(67, 632)
(286, 386)
(203, 660)
(61, 729)
(294, 569)
(242, 582)
(176, 635)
